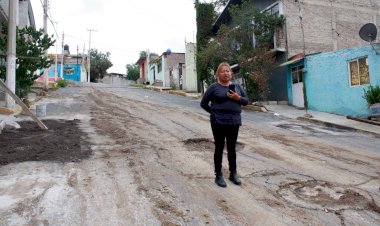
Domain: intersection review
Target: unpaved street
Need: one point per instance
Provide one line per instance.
(151, 163)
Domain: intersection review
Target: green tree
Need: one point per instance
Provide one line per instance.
(133, 72)
(100, 62)
(234, 45)
(205, 16)
(30, 48)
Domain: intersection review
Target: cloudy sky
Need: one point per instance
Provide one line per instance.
(123, 27)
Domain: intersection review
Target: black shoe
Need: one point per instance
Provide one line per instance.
(219, 180)
(234, 178)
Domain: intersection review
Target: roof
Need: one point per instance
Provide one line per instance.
(224, 16)
(141, 59)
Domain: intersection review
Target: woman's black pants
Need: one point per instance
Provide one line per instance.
(222, 133)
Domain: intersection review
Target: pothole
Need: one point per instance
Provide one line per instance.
(324, 196)
(205, 144)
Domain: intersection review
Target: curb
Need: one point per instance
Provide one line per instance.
(254, 108)
(337, 126)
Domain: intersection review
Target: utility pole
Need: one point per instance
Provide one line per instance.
(77, 67)
(88, 56)
(63, 53)
(11, 53)
(46, 70)
(56, 58)
(304, 60)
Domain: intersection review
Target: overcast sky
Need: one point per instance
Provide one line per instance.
(123, 27)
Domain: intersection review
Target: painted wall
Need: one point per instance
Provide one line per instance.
(328, 84)
(277, 81)
(72, 72)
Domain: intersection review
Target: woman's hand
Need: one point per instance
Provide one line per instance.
(233, 95)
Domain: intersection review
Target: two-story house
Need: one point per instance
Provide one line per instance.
(311, 26)
(26, 16)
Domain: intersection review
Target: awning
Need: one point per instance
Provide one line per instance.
(294, 59)
(290, 62)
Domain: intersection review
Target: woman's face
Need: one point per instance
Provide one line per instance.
(224, 74)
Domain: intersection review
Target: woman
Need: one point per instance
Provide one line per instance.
(225, 118)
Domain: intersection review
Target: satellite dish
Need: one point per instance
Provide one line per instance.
(368, 32)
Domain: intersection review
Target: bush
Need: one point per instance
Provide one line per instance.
(62, 83)
(372, 94)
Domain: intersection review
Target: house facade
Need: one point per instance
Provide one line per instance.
(327, 25)
(69, 67)
(143, 63)
(335, 81)
(26, 16)
(168, 70)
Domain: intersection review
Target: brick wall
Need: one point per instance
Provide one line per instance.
(328, 24)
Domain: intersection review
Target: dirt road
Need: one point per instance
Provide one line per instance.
(141, 162)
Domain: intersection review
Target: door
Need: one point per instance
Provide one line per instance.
(297, 86)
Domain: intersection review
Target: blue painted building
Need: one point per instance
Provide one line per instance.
(74, 67)
(335, 81)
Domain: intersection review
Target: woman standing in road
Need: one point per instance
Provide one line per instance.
(225, 118)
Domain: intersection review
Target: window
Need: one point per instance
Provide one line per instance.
(275, 9)
(297, 74)
(359, 71)
(159, 66)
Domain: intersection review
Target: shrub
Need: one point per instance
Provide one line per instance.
(372, 94)
(62, 83)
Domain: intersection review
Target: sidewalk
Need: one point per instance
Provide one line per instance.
(323, 118)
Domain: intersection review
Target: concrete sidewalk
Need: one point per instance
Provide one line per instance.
(338, 121)
(323, 118)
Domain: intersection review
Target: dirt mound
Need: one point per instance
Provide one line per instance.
(62, 142)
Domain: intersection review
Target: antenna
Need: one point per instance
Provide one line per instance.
(368, 33)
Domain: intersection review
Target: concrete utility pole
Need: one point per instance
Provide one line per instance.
(304, 61)
(46, 70)
(11, 54)
(63, 53)
(88, 56)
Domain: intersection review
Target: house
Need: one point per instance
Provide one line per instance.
(168, 70)
(143, 63)
(326, 26)
(335, 80)
(26, 16)
(73, 67)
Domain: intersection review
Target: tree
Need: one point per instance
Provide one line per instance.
(234, 45)
(100, 62)
(133, 72)
(30, 48)
(205, 16)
